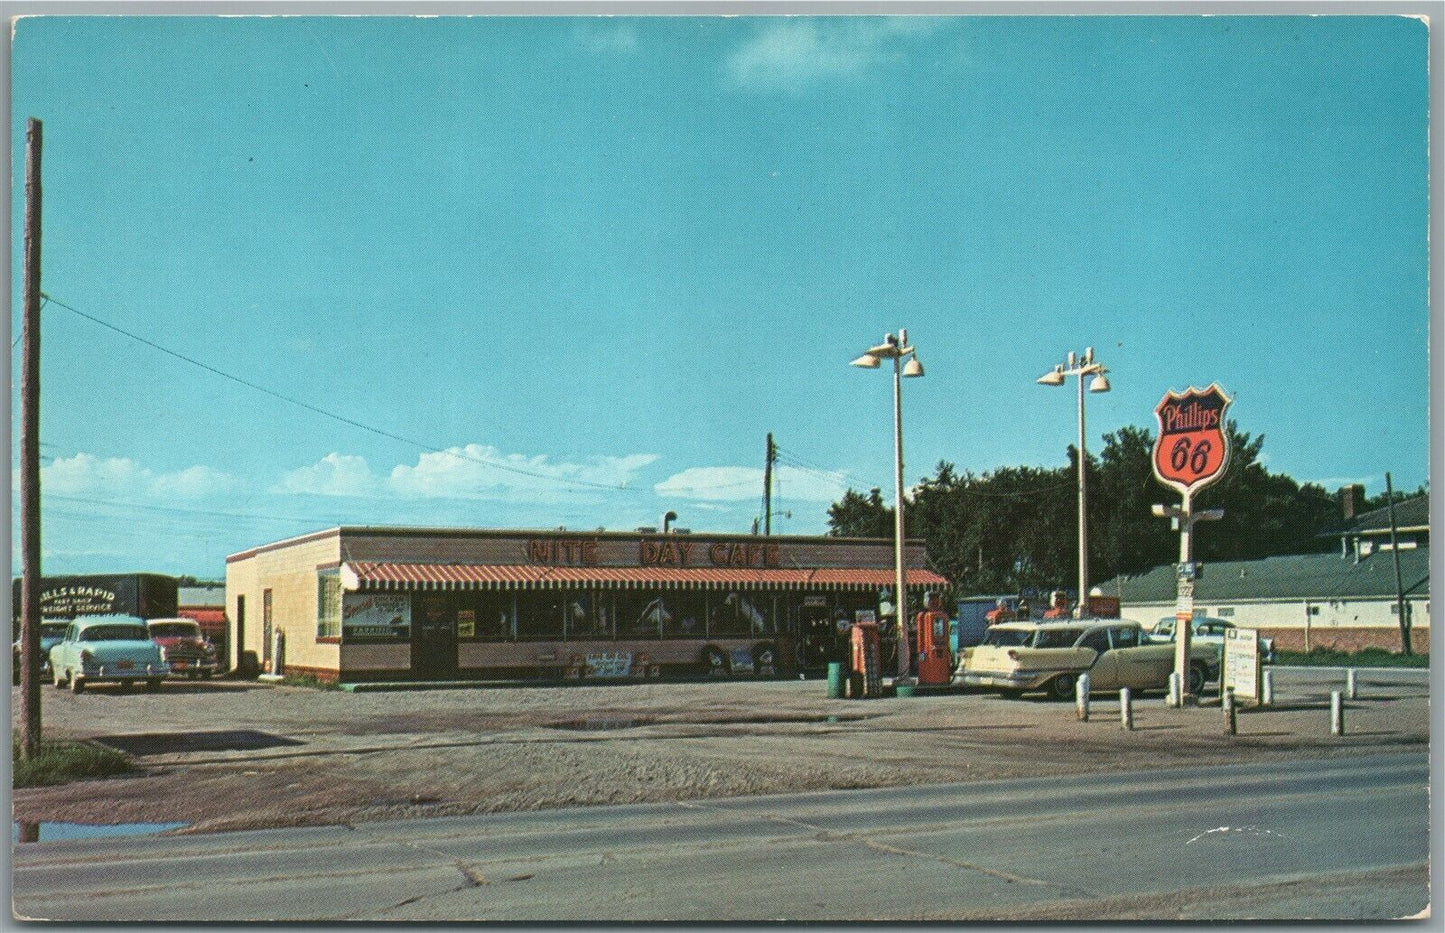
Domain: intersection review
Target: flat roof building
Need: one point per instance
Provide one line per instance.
(366, 603)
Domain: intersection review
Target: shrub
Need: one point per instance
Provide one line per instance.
(1365, 657)
(60, 761)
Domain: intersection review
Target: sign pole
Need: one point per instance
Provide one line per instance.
(1184, 601)
(30, 579)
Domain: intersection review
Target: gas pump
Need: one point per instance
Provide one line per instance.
(935, 661)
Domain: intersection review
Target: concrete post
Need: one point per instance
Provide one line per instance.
(1081, 697)
(1174, 688)
(1337, 713)
(1231, 722)
(1126, 709)
(1351, 684)
(1266, 693)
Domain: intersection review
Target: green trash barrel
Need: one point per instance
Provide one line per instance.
(835, 680)
(904, 690)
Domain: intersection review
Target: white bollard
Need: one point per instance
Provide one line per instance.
(1126, 709)
(1174, 694)
(1266, 691)
(1351, 684)
(1231, 722)
(1081, 697)
(1337, 713)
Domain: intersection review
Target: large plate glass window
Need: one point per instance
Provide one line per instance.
(328, 603)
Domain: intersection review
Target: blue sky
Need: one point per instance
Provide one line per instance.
(587, 264)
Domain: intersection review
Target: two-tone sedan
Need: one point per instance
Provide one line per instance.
(107, 649)
(1016, 657)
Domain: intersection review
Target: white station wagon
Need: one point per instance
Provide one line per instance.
(107, 649)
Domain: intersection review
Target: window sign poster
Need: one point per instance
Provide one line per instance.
(466, 623)
(376, 615)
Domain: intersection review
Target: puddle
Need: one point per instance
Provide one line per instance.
(21, 831)
(602, 723)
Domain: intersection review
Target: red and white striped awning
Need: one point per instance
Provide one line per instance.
(368, 575)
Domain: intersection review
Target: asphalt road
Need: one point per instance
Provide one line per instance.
(1339, 839)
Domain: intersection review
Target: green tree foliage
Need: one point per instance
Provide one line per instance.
(1015, 528)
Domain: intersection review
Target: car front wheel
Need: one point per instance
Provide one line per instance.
(57, 679)
(77, 684)
(1062, 687)
(1197, 677)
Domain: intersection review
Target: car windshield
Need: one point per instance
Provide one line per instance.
(1056, 638)
(174, 630)
(1007, 637)
(115, 633)
(54, 630)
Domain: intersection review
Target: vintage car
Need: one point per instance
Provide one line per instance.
(107, 649)
(50, 634)
(1019, 656)
(184, 647)
(1209, 631)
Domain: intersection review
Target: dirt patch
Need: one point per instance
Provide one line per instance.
(337, 758)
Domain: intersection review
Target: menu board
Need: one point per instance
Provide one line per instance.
(1241, 663)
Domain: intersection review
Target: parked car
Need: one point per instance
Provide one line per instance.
(1049, 656)
(1209, 631)
(107, 649)
(50, 635)
(184, 647)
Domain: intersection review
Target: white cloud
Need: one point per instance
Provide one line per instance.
(794, 53)
(333, 475)
(478, 471)
(736, 484)
(88, 475)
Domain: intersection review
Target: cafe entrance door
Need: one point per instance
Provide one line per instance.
(434, 639)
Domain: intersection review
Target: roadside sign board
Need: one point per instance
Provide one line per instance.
(1192, 449)
(1241, 663)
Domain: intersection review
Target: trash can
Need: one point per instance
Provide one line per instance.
(903, 690)
(835, 680)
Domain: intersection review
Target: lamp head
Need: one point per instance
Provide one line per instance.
(913, 368)
(1099, 383)
(1054, 378)
(866, 361)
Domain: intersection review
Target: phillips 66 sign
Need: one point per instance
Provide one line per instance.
(1192, 450)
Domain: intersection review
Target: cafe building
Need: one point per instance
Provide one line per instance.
(375, 603)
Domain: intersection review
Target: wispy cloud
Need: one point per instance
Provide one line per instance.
(473, 471)
(120, 477)
(794, 54)
(608, 36)
(737, 484)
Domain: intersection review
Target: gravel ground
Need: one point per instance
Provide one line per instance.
(236, 755)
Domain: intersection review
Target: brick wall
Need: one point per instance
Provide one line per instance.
(1347, 639)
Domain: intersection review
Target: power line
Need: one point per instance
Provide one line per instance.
(381, 432)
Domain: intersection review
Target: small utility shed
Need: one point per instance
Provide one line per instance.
(1344, 601)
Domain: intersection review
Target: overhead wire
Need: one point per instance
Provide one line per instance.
(381, 432)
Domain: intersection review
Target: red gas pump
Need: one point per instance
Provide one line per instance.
(935, 661)
(865, 680)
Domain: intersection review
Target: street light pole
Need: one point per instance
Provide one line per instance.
(896, 348)
(1081, 367)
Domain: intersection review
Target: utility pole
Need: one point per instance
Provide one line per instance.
(768, 486)
(30, 456)
(1399, 586)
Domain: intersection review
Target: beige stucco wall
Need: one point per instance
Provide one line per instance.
(290, 573)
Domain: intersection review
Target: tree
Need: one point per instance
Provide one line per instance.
(859, 516)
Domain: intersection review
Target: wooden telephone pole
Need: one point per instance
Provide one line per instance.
(1400, 607)
(768, 486)
(30, 456)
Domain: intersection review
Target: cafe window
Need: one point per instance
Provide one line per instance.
(741, 614)
(641, 614)
(687, 614)
(490, 616)
(539, 615)
(589, 614)
(328, 603)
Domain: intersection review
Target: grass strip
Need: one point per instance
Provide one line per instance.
(60, 761)
(1367, 657)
